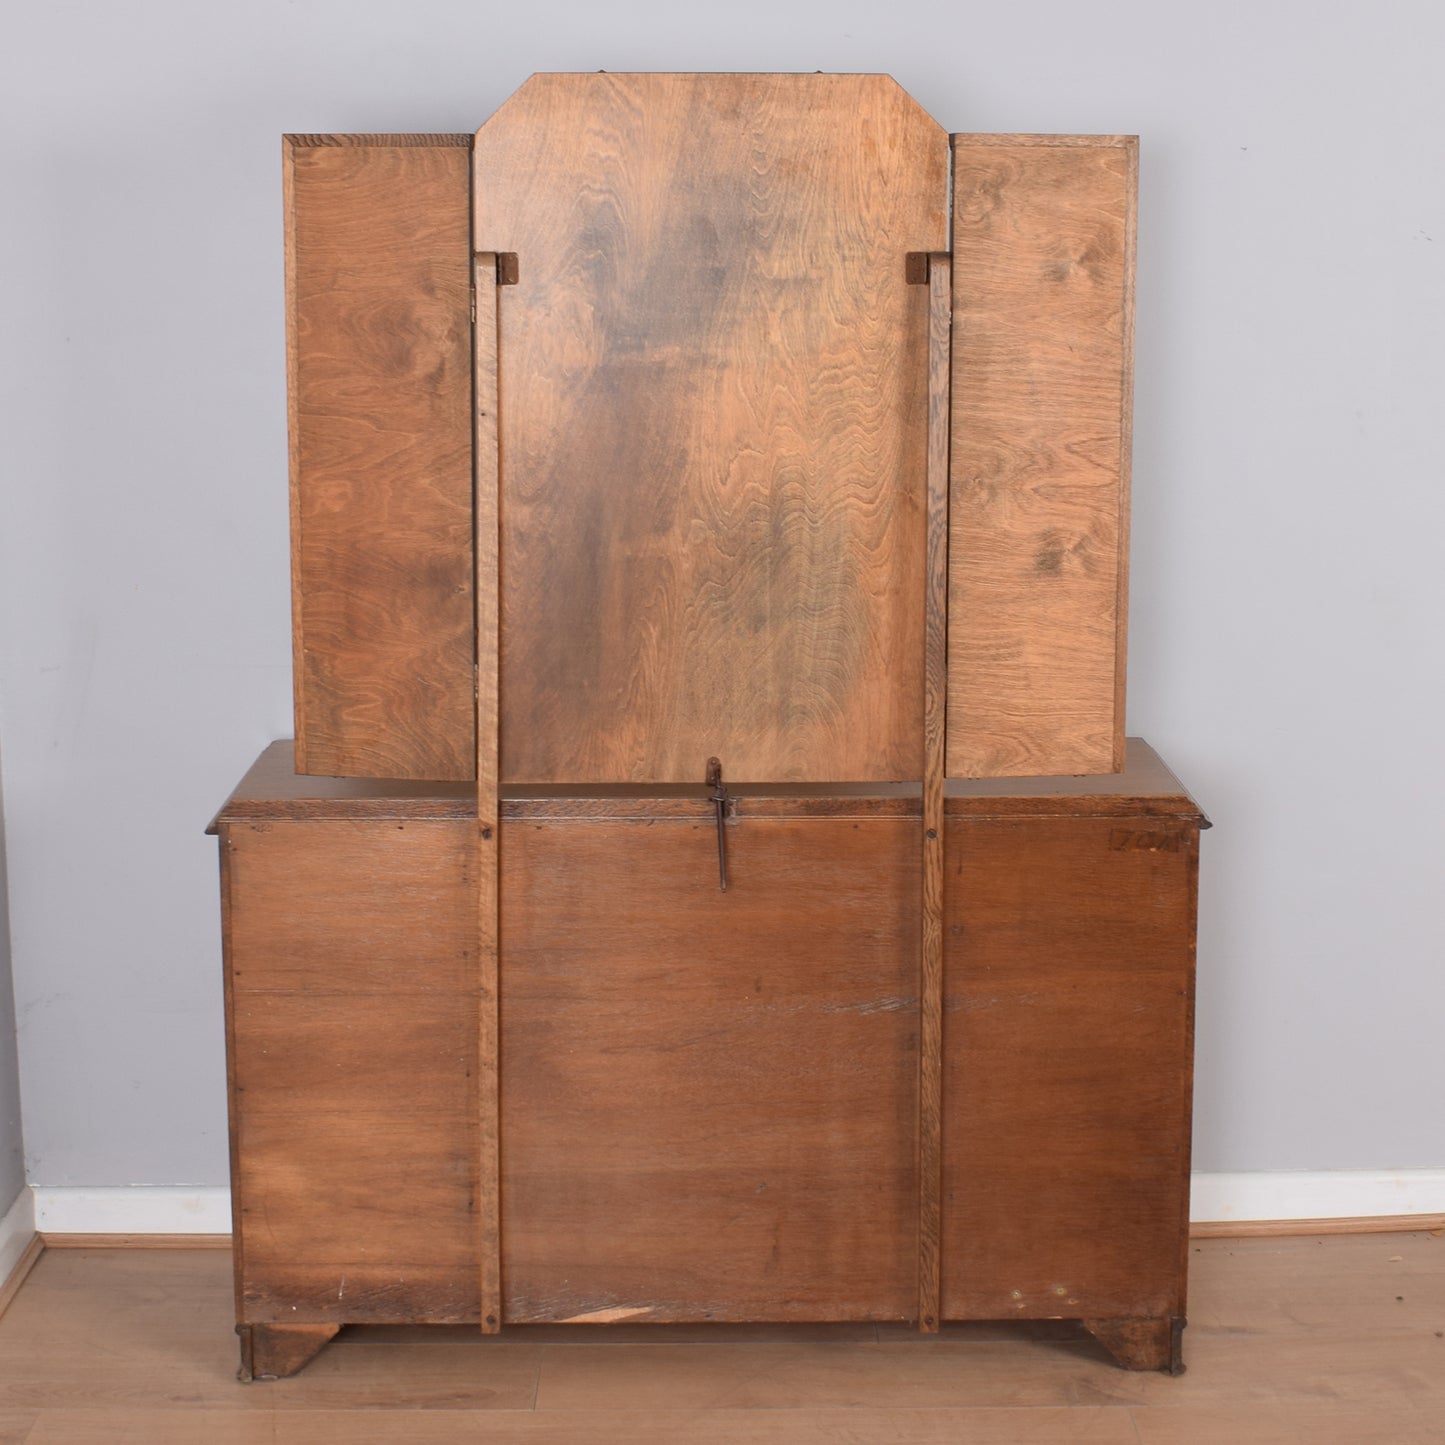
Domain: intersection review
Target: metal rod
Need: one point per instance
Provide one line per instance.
(720, 803)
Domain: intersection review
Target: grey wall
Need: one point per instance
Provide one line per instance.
(1288, 590)
(12, 1144)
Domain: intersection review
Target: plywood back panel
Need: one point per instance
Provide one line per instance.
(1043, 236)
(352, 990)
(713, 423)
(1068, 1016)
(710, 1100)
(379, 333)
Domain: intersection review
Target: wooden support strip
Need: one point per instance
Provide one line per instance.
(488, 478)
(935, 697)
(1287, 1228)
(233, 1093)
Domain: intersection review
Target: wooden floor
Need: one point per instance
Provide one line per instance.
(1319, 1341)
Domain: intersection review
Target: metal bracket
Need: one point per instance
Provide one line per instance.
(723, 805)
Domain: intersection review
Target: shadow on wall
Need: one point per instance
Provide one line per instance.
(12, 1152)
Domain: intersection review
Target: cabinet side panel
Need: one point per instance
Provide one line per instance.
(713, 423)
(710, 1100)
(379, 343)
(1043, 235)
(1067, 1077)
(353, 1000)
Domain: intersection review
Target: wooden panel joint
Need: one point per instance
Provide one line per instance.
(935, 732)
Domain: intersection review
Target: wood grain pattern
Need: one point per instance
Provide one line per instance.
(1043, 241)
(379, 361)
(352, 990)
(1146, 786)
(745, 803)
(272, 1352)
(713, 401)
(709, 1100)
(333, 907)
(1149, 1344)
(488, 835)
(272, 791)
(1067, 1033)
(935, 701)
(669, 1049)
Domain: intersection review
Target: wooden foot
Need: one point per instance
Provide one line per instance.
(271, 1352)
(1153, 1344)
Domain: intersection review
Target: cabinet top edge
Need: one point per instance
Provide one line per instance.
(318, 141)
(272, 790)
(1096, 142)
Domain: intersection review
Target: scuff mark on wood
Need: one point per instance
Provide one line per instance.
(608, 1316)
(872, 1006)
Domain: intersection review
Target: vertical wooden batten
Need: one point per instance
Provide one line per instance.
(487, 452)
(935, 703)
(233, 1111)
(1042, 385)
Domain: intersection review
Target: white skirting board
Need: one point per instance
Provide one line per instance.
(17, 1229)
(134, 1209)
(1327, 1194)
(1217, 1198)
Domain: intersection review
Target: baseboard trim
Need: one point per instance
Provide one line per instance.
(1343, 1201)
(17, 1228)
(1283, 1228)
(20, 1246)
(134, 1241)
(1205, 1229)
(20, 1273)
(1229, 1203)
(133, 1209)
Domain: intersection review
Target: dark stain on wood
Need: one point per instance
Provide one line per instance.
(712, 367)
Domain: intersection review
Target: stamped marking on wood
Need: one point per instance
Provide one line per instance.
(1135, 840)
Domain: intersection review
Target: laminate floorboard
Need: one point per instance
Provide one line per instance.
(1329, 1340)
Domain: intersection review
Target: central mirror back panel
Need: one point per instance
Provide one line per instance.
(712, 423)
